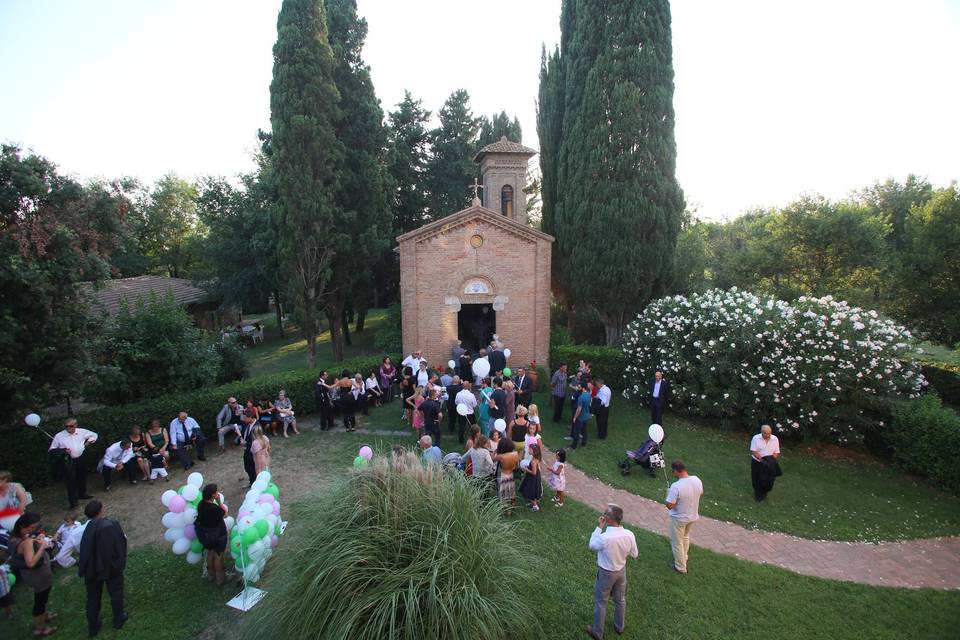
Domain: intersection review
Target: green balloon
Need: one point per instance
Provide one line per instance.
(262, 527)
(250, 535)
(273, 490)
(11, 580)
(507, 372)
(196, 547)
(359, 463)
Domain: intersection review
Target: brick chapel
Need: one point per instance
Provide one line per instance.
(480, 271)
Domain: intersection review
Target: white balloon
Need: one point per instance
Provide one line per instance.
(481, 367)
(245, 523)
(171, 520)
(167, 496)
(263, 476)
(656, 433)
(251, 573)
(32, 420)
(500, 425)
(252, 496)
(452, 364)
(463, 409)
(229, 522)
(188, 516)
(172, 535)
(193, 557)
(259, 486)
(195, 479)
(181, 546)
(507, 353)
(190, 493)
(265, 510)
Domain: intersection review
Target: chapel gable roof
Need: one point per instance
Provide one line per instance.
(504, 146)
(470, 213)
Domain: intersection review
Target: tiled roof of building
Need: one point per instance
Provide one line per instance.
(505, 146)
(112, 292)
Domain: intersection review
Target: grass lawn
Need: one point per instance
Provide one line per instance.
(815, 498)
(720, 597)
(275, 354)
(938, 353)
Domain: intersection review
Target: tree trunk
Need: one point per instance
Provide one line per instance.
(345, 327)
(361, 319)
(279, 309)
(311, 348)
(336, 335)
(613, 328)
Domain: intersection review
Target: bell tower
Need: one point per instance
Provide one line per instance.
(503, 171)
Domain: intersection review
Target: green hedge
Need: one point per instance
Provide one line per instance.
(924, 438)
(608, 363)
(24, 452)
(945, 379)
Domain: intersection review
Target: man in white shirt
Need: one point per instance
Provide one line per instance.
(413, 361)
(764, 452)
(466, 398)
(683, 501)
(613, 544)
(73, 442)
(116, 458)
(604, 394)
(185, 430)
(71, 545)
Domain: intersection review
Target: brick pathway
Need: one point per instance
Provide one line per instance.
(933, 562)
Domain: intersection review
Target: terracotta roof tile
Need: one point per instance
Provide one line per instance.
(505, 146)
(112, 292)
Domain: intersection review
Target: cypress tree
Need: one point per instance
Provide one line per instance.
(619, 205)
(361, 231)
(550, 133)
(496, 126)
(409, 146)
(306, 153)
(451, 168)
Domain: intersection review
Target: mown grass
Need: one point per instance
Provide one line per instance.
(276, 355)
(850, 499)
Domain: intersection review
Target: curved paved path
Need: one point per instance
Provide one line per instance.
(933, 562)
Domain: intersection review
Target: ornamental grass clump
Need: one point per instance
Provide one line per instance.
(398, 551)
(815, 368)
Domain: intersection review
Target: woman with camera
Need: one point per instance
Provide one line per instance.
(28, 546)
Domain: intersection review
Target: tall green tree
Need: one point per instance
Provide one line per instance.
(891, 201)
(362, 194)
(550, 101)
(496, 126)
(409, 151)
(619, 206)
(306, 153)
(451, 168)
(55, 237)
(169, 232)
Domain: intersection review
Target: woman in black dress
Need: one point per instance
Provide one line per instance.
(212, 531)
(141, 453)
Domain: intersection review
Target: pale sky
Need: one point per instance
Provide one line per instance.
(773, 98)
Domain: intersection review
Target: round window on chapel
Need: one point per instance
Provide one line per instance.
(476, 241)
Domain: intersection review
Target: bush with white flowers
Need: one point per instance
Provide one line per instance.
(811, 368)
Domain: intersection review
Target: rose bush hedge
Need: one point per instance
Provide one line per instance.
(813, 368)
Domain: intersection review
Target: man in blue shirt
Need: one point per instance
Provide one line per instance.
(184, 430)
(431, 454)
(582, 415)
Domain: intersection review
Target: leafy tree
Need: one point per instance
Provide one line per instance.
(152, 349)
(891, 201)
(617, 190)
(927, 294)
(54, 236)
(306, 154)
(497, 126)
(360, 234)
(550, 103)
(451, 168)
(409, 147)
(169, 232)
(693, 258)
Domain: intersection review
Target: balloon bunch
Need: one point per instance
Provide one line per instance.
(182, 505)
(363, 458)
(257, 529)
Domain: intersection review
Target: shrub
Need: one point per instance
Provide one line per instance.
(389, 338)
(24, 452)
(402, 552)
(945, 380)
(605, 362)
(233, 362)
(924, 437)
(811, 369)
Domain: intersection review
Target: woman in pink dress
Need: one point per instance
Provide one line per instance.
(260, 448)
(415, 401)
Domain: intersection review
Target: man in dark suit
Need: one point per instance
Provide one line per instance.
(453, 389)
(498, 361)
(524, 387)
(103, 557)
(659, 397)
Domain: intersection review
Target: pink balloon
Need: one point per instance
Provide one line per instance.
(276, 508)
(177, 504)
(189, 533)
(241, 513)
(265, 498)
(366, 453)
(274, 541)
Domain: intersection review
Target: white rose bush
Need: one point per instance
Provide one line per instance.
(812, 368)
